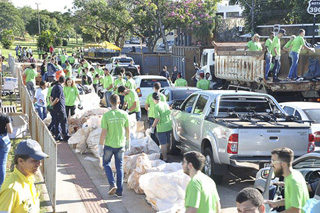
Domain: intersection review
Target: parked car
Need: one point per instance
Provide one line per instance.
(235, 128)
(305, 111)
(144, 85)
(134, 40)
(124, 62)
(308, 165)
(176, 95)
(162, 46)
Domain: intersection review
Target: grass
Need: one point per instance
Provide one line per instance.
(32, 42)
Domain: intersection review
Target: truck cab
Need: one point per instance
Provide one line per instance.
(207, 62)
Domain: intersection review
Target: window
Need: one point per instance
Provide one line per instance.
(297, 115)
(150, 82)
(187, 106)
(288, 110)
(181, 94)
(204, 59)
(313, 114)
(200, 105)
(232, 14)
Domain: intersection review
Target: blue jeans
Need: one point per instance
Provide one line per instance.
(276, 68)
(108, 95)
(44, 77)
(138, 116)
(293, 72)
(61, 125)
(42, 112)
(118, 156)
(268, 64)
(5, 145)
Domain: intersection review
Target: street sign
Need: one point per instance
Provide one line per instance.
(314, 7)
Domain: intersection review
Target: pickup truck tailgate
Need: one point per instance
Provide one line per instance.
(261, 141)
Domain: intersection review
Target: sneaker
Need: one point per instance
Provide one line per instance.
(267, 79)
(112, 190)
(118, 194)
(276, 80)
(287, 79)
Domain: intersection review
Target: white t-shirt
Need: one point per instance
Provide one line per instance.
(41, 96)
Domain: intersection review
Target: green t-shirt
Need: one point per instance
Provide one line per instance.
(268, 44)
(163, 113)
(97, 71)
(203, 84)
(130, 99)
(118, 83)
(48, 95)
(31, 74)
(288, 44)
(130, 84)
(297, 44)
(69, 70)
(276, 44)
(180, 82)
(63, 58)
(201, 193)
(295, 191)
(115, 122)
(107, 81)
(151, 104)
(71, 59)
(70, 94)
(254, 46)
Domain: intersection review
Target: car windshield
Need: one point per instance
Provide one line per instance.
(125, 60)
(313, 114)
(150, 82)
(312, 162)
(181, 94)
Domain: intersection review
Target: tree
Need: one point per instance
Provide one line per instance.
(46, 22)
(10, 19)
(45, 40)
(7, 38)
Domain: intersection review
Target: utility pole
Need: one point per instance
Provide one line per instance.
(252, 16)
(38, 18)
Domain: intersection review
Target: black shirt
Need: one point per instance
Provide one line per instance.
(57, 92)
(4, 120)
(165, 74)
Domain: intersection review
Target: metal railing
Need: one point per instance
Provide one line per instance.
(40, 133)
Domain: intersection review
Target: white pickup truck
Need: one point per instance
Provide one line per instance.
(236, 128)
(123, 61)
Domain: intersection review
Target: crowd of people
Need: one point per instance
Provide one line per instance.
(272, 50)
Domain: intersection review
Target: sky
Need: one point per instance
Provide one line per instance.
(50, 5)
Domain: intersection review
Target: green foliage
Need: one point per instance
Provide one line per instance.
(7, 38)
(64, 42)
(57, 42)
(46, 23)
(10, 18)
(45, 40)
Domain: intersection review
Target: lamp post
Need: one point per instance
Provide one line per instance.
(38, 17)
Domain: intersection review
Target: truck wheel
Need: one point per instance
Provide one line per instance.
(209, 166)
(173, 150)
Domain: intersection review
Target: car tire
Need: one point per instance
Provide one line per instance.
(173, 150)
(209, 166)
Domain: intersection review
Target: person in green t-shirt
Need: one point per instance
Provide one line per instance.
(30, 74)
(63, 59)
(203, 83)
(296, 46)
(163, 122)
(70, 93)
(180, 82)
(149, 106)
(131, 101)
(130, 84)
(268, 46)
(114, 140)
(287, 48)
(107, 83)
(117, 83)
(250, 199)
(295, 188)
(276, 54)
(201, 192)
(68, 69)
(71, 59)
(254, 44)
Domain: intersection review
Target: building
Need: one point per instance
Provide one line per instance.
(226, 10)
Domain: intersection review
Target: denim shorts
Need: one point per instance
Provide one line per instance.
(164, 137)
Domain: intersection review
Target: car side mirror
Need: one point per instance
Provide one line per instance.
(266, 172)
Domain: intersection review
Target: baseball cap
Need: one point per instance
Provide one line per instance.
(283, 31)
(31, 148)
(156, 96)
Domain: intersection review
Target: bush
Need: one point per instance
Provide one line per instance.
(45, 40)
(57, 42)
(7, 38)
(64, 42)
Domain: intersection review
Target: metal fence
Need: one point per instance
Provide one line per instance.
(40, 133)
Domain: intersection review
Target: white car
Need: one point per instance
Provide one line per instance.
(123, 60)
(305, 111)
(144, 85)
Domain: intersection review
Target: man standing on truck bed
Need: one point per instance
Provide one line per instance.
(268, 46)
(295, 190)
(296, 45)
(254, 44)
(276, 54)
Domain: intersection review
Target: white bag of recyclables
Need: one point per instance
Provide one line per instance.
(90, 101)
(165, 191)
(93, 141)
(80, 136)
(146, 145)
